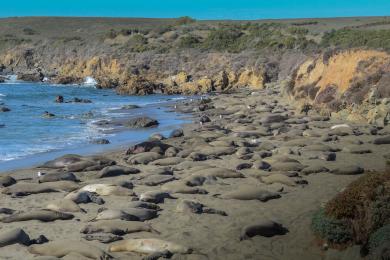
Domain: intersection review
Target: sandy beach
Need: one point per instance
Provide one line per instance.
(249, 158)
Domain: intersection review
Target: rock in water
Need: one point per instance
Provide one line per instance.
(4, 109)
(141, 122)
(100, 141)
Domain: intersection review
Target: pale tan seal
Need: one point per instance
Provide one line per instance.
(148, 246)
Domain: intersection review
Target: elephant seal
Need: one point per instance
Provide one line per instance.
(7, 211)
(61, 248)
(103, 238)
(180, 187)
(118, 227)
(77, 163)
(116, 170)
(108, 189)
(220, 173)
(190, 206)
(108, 214)
(265, 228)
(251, 193)
(84, 197)
(64, 205)
(142, 214)
(43, 215)
(155, 196)
(6, 181)
(58, 176)
(148, 246)
(14, 236)
(25, 188)
(144, 205)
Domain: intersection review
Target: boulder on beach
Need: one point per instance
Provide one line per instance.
(176, 133)
(141, 122)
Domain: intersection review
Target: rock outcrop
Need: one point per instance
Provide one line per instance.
(351, 85)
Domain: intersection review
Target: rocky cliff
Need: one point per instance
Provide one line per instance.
(351, 84)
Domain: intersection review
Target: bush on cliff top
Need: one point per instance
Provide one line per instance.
(348, 38)
(357, 212)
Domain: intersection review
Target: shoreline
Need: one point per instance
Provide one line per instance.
(215, 163)
(118, 137)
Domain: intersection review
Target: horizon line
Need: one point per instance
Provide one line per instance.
(196, 19)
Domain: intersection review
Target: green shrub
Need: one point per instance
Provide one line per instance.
(224, 39)
(188, 41)
(184, 20)
(305, 23)
(297, 30)
(29, 31)
(348, 38)
(138, 43)
(379, 237)
(330, 229)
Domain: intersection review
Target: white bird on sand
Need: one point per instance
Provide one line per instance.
(40, 174)
(220, 116)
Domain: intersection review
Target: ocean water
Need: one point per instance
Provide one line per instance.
(27, 138)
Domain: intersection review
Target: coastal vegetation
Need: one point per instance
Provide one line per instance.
(359, 215)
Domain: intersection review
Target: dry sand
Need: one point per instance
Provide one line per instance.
(213, 236)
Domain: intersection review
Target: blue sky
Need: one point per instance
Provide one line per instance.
(200, 9)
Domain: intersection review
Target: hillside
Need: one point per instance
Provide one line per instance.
(144, 56)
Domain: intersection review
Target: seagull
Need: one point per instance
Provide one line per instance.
(40, 174)
(220, 116)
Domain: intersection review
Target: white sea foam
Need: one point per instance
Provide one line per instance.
(90, 81)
